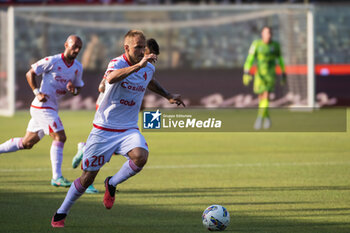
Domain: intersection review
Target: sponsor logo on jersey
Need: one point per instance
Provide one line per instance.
(145, 75)
(127, 102)
(128, 86)
(152, 120)
(60, 92)
(60, 79)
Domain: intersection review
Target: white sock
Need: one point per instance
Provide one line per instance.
(128, 170)
(14, 144)
(56, 155)
(74, 192)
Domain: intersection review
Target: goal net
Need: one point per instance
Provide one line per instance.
(191, 38)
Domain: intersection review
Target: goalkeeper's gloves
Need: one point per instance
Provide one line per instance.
(283, 78)
(247, 78)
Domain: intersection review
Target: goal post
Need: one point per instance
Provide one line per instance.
(311, 83)
(208, 36)
(7, 68)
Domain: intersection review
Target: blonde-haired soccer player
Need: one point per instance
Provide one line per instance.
(151, 47)
(115, 127)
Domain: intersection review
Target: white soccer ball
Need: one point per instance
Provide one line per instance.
(215, 218)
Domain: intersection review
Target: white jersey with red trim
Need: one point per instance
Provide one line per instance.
(55, 75)
(119, 108)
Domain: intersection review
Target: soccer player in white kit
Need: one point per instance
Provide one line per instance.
(61, 73)
(151, 47)
(115, 127)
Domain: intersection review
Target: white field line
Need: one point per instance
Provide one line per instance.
(191, 166)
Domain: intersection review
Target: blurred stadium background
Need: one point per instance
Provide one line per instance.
(203, 47)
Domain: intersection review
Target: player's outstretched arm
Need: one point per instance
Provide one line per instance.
(30, 75)
(176, 99)
(155, 86)
(120, 74)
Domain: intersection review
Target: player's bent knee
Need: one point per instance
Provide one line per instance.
(139, 156)
(59, 136)
(29, 140)
(28, 144)
(141, 161)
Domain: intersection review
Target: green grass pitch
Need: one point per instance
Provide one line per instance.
(269, 182)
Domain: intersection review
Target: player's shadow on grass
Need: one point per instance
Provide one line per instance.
(32, 212)
(240, 189)
(28, 182)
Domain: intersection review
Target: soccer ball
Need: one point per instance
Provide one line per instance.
(215, 218)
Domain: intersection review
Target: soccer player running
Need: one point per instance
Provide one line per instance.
(115, 127)
(151, 47)
(61, 73)
(266, 52)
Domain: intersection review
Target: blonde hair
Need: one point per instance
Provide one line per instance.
(133, 34)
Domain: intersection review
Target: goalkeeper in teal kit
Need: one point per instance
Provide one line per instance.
(266, 52)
